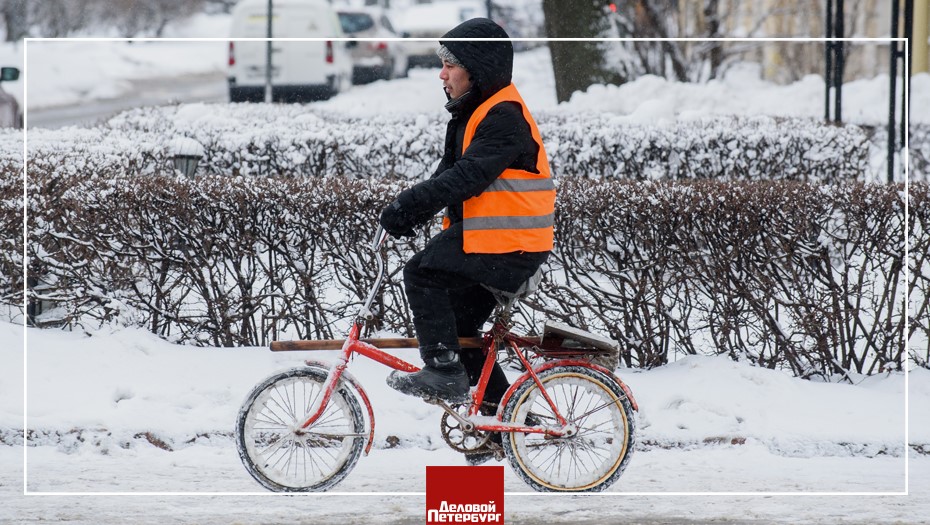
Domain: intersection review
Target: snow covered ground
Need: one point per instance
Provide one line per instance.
(96, 404)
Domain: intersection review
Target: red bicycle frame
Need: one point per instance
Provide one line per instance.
(354, 346)
(490, 341)
(498, 333)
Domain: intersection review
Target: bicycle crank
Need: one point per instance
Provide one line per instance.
(460, 433)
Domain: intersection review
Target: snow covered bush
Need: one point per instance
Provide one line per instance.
(11, 218)
(918, 152)
(753, 238)
(258, 140)
(781, 273)
(217, 260)
(919, 286)
(288, 140)
(730, 148)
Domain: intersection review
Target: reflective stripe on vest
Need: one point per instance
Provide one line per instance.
(516, 212)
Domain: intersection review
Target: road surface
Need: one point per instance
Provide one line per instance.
(192, 88)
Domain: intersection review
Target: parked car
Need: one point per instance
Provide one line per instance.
(11, 116)
(300, 70)
(431, 21)
(378, 59)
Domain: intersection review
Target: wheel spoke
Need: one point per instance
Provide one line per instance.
(283, 408)
(276, 444)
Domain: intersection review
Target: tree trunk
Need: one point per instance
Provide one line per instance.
(15, 19)
(577, 65)
(712, 19)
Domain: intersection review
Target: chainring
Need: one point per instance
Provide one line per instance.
(458, 438)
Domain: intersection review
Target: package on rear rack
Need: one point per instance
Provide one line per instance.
(560, 341)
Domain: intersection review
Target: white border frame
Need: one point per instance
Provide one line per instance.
(905, 72)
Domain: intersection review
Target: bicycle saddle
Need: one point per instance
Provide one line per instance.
(525, 290)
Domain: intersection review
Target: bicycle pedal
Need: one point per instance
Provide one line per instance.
(497, 450)
(435, 401)
(484, 454)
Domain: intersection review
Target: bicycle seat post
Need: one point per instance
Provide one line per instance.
(505, 306)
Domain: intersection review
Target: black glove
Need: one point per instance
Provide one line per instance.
(397, 222)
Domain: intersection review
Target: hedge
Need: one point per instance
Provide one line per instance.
(785, 274)
(750, 237)
(291, 141)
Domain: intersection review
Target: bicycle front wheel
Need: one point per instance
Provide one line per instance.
(285, 458)
(596, 453)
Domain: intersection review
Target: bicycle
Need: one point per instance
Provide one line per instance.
(566, 423)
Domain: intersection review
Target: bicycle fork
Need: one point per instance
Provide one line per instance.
(351, 346)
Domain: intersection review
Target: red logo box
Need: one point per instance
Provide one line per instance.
(464, 495)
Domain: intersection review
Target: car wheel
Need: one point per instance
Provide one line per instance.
(237, 95)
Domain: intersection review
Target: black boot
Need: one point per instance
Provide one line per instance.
(443, 377)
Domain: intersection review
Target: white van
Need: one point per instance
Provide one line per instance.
(431, 21)
(300, 71)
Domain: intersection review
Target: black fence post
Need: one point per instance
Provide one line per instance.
(898, 52)
(839, 65)
(828, 61)
(906, 57)
(893, 86)
(834, 61)
(32, 304)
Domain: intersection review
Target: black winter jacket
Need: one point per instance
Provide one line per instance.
(502, 140)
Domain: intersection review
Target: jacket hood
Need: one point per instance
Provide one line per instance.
(490, 63)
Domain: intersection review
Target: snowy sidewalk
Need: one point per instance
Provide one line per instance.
(649, 471)
(94, 402)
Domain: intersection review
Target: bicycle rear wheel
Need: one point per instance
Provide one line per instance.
(285, 458)
(591, 459)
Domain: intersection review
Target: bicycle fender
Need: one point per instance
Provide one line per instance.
(568, 362)
(350, 379)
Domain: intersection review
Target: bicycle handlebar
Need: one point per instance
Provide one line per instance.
(376, 244)
(380, 236)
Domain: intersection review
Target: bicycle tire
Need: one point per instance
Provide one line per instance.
(589, 461)
(282, 459)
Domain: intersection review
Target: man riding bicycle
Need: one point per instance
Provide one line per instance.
(493, 181)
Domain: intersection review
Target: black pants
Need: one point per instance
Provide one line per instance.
(447, 306)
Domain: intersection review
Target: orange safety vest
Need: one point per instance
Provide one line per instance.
(516, 212)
